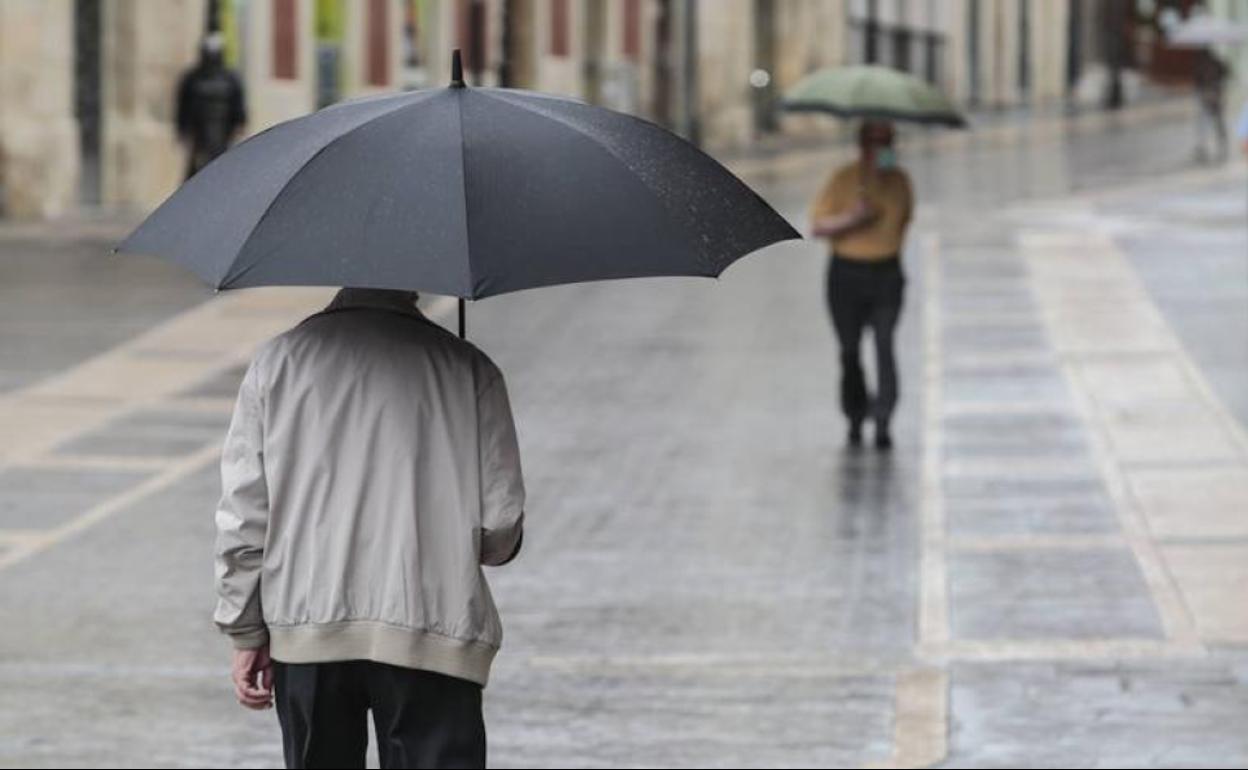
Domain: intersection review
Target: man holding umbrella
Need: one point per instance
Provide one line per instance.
(864, 210)
(372, 466)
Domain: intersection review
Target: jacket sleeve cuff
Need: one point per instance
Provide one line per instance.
(501, 546)
(249, 640)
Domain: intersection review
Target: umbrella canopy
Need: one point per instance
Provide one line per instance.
(1202, 30)
(466, 192)
(872, 91)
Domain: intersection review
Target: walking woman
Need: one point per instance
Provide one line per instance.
(863, 211)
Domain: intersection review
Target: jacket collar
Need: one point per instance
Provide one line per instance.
(377, 299)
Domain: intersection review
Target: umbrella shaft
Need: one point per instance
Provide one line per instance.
(462, 326)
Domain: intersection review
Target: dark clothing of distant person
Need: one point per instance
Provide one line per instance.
(866, 295)
(1210, 80)
(211, 110)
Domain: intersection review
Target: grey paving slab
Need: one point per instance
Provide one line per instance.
(75, 715)
(1076, 593)
(1076, 514)
(995, 337)
(1008, 303)
(222, 385)
(1017, 482)
(1030, 433)
(690, 719)
(976, 265)
(41, 498)
(150, 433)
(1188, 249)
(1168, 714)
(1002, 384)
(63, 301)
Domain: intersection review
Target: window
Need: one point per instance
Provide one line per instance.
(285, 39)
(632, 29)
(377, 43)
(560, 20)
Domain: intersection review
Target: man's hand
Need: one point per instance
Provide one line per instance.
(253, 677)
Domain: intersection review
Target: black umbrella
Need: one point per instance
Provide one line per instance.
(467, 192)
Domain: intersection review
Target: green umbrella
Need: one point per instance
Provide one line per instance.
(871, 91)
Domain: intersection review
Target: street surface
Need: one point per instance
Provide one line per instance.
(1048, 570)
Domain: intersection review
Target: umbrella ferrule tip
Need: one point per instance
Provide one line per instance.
(457, 69)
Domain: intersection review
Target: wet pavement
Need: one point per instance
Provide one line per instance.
(1048, 570)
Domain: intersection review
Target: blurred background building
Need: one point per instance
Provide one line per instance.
(87, 86)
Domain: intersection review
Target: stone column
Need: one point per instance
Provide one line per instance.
(725, 59)
(39, 155)
(990, 53)
(810, 35)
(956, 25)
(146, 48)
(1050, 28)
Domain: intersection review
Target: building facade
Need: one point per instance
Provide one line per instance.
(87, 86)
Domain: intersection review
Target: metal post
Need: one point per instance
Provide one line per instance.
(476, 46)
(689, 73)
(764, 92)
(872, 32)
(1115, 30)
(505, 75)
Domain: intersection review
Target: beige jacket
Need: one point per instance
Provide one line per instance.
(371, 468)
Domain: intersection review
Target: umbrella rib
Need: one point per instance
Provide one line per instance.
(469, 282)
(236, 272)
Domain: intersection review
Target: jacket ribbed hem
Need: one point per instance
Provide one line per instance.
(382, 643)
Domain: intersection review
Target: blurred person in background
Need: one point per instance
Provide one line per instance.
(211, 107)
(863, 211)
(1210, 81)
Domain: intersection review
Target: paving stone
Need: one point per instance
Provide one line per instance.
(221, 385)
(1004, 385)
(38, 498)
(1076, 593)
(81, 303)
(1014, 434)
(1076, 514)
(1019, 484)
(1193, 503)
(1165, 714)
(159, 433)
(1213, 578)
(644, 718)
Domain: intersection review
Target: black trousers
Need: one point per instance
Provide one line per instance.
(422, 719)
(865, 295)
